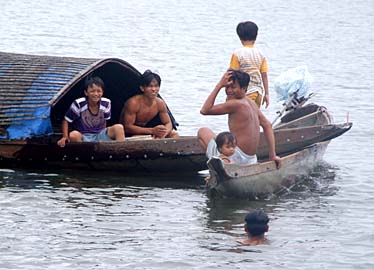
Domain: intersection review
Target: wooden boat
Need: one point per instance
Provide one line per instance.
(36, 91)
(145, 155)
(255, 180)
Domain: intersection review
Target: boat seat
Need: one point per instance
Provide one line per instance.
(139, 137)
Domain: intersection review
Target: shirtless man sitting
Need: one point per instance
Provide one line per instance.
(244, 120)
(146, 114)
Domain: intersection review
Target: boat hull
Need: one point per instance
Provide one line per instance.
(166, 155)
(183, 155)
(235, 180)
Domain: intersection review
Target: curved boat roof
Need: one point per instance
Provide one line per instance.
(36, 90)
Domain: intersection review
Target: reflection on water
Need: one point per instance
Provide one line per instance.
(226, 215)
(101, 186)
(292, 222)
(116, 214)
(101, 179)
(72, 214)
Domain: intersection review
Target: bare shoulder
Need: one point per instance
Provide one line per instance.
(253, 106)
(244, 242)
(136, 98)
(253, 242)
(160, 104)
(133, 103)
(241, 106)
(233, 105)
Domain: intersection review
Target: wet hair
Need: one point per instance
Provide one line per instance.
(257, 222)
(241, 77)
(247, 30)
(93, 80)
(225, 137)
(148, 76)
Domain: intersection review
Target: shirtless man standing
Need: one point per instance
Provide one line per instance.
(244, 120)
(147, 114)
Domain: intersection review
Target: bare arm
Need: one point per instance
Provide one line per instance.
(164, 116)
(265, 81)
(209, 108)
(269, 136)
(65, 134)
(162, 130)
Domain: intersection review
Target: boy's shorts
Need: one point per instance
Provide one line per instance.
(239, 157)
(102, 136)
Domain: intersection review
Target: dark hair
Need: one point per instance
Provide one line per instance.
(257, 222)
(241, 77)
(247, 30)
(225, 137)
(148, 76)
(93, 80)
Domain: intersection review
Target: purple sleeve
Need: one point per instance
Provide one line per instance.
(73, 112)
(107, 112)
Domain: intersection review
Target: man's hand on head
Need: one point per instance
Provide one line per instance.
(226, 79)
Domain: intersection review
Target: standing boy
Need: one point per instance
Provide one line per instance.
(88, 116)
(244, 120)
(252, 61)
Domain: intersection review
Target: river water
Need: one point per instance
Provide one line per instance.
(81, 220)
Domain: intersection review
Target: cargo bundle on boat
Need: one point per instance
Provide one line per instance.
(36, 91)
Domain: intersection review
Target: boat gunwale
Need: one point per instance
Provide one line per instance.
(231, 170)
(321, 111)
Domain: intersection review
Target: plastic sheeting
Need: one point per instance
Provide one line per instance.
(29, 128)
(295, 79)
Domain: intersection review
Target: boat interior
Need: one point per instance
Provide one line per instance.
(120, 82)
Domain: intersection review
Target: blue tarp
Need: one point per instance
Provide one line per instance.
(40, 123)
(29, 128)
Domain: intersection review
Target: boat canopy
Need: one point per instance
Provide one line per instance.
(36, 91)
